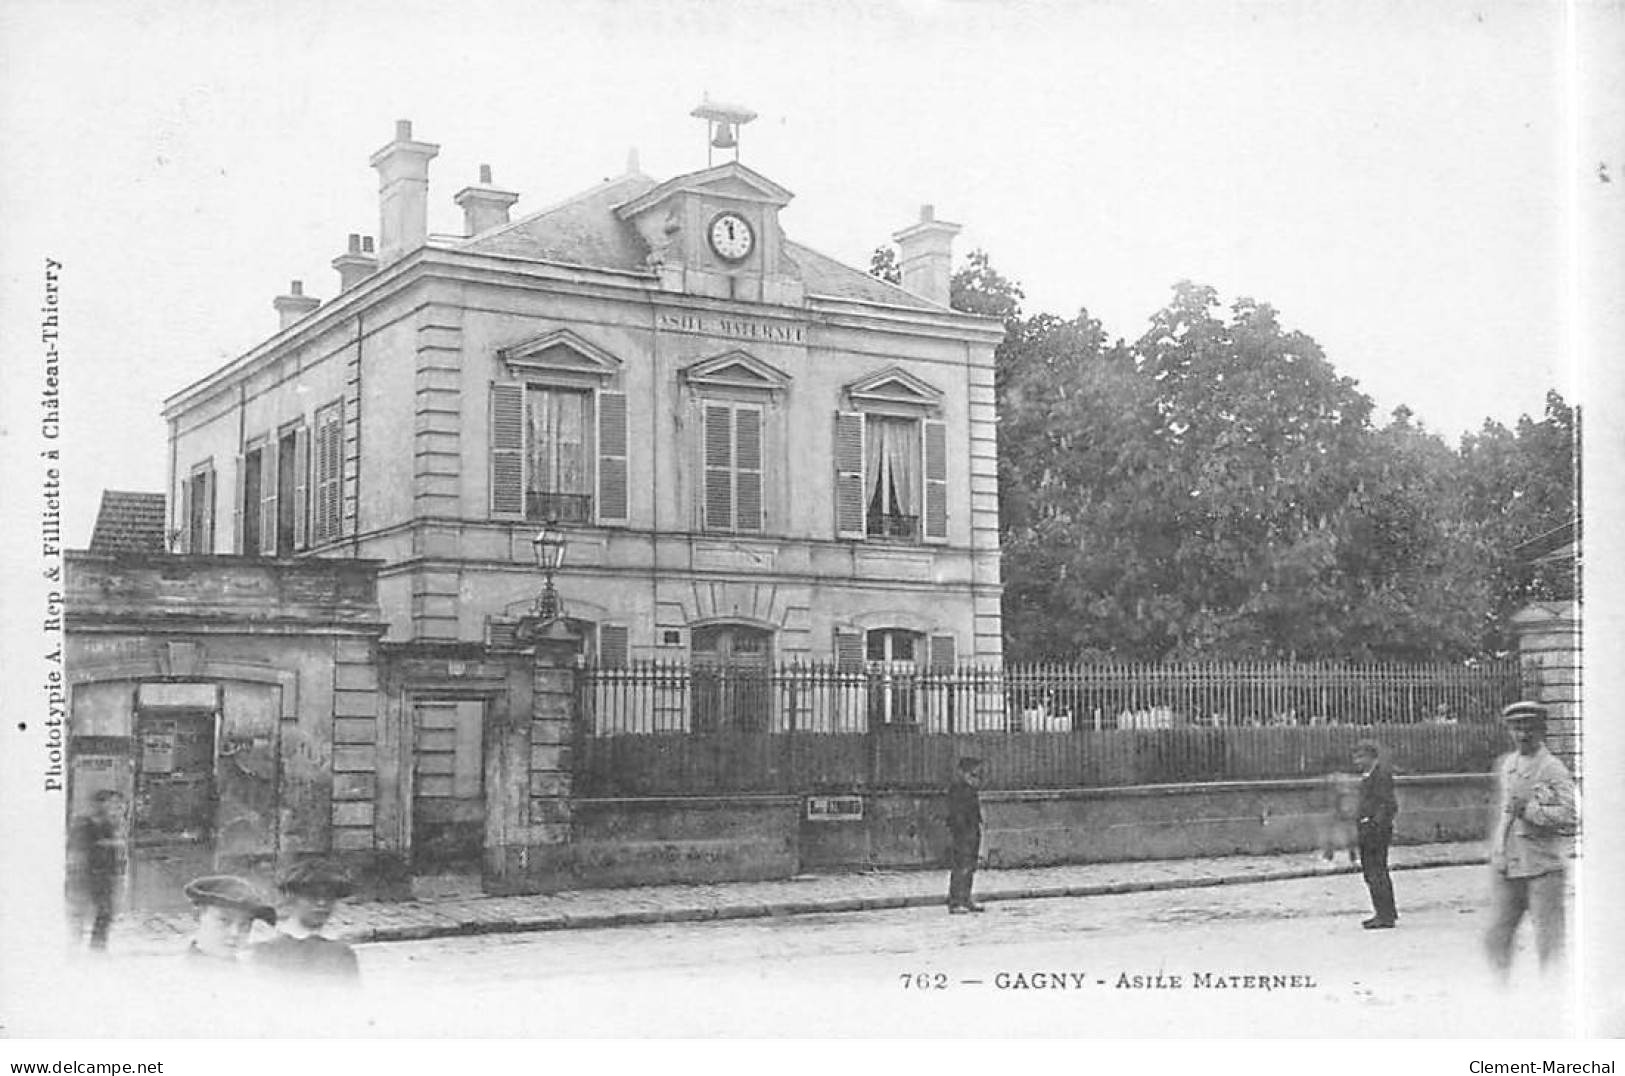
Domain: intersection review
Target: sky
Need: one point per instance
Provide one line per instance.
(1391, 177)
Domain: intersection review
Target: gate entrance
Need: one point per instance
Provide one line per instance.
(448, 785)
(173, 834)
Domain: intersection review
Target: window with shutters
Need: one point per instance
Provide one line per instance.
(732, 455)
(249, 516)
(891, 480)
(558, 453)
(327, 474)
(197, 510)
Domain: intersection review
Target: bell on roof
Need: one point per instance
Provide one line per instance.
(722, 125)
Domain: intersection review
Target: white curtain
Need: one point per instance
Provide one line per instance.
(558, 441)
(892, 451)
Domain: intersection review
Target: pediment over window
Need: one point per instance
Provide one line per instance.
(561, 352)
(894, 389)
(736, 370)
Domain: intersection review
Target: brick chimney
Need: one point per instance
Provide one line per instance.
(484, 207)
(357, 263)
(295, 305)
(927, 255)
(403, 193)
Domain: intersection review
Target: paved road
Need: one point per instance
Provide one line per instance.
(1059, 967)
(1043, 967)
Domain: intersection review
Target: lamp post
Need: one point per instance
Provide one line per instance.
(548, 545)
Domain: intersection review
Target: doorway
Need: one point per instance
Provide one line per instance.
(173, 826)
(448, 786)
(733, 685)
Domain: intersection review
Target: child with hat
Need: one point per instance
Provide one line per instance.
(310, 890)
(227, 909)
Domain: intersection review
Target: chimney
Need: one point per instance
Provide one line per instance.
(927, 255)
(403, 193)
(356, 263)
(295, 305)
(484, 206)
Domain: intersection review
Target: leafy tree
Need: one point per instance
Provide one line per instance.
(883, 264)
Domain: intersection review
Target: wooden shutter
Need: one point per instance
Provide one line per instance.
(335, 472)
(206, 540)
(944, 655)
(718, 509)
(612, 492)
(237, 506)
(612, 646)
(301, 488)
(508, 450)
(848, 650)
(748, 468)
(849, 490)
(269, 455)
(183, 541)
(936, 481)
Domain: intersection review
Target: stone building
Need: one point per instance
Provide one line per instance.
(756, 454)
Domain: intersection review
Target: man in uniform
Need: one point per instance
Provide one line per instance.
(96, 865)
(310, 890)
(964, 834)
(227, 908)
(1529, 841)
(1378, 807)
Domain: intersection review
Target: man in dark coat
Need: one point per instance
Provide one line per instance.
(310, 890)
(964, 834)
(1378, 806)
(96, 864)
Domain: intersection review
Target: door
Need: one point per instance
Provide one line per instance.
(732, 678)
(448, 785)
(175, 796)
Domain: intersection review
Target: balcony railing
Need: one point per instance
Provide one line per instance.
(559, 507)
(883, 525)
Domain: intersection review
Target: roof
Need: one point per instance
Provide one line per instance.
(1559, 543)
(129, 523)
(584, 230)
(581, 230)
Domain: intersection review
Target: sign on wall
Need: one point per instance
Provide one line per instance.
(834, 808)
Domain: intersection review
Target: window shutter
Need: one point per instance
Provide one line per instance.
(944, 655)
(848, 650)
(327, 464)
(718, 513)
(508, 450)
(207, 540)
(183, 542)
(237, 506)
(748, 467)
(936, 481)
(301, 488)
(849, 498)
(268, 497)
(612, 646)
(612, 492)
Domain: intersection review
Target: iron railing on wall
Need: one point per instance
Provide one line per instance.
(674, 729)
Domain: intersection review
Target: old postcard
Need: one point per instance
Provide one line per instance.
(785, 520)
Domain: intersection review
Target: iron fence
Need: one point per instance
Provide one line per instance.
(675, 729)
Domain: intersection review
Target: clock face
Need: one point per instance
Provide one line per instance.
(731, 237)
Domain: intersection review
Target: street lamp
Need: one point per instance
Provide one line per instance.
(548, 545)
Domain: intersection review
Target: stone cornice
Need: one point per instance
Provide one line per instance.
(435, 263)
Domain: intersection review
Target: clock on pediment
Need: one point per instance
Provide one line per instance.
(715, 232)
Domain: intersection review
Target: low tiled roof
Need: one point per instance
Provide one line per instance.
(584, 230)
(129, 523)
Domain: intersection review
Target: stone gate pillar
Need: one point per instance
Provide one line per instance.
(1549, 656)
(542, 861)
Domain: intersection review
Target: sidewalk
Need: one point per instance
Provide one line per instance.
(599, 908)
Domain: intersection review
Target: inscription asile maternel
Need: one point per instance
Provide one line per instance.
(771, 332)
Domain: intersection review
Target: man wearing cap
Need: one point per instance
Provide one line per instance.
(964, 834)
(1375, 829)
(227, 908)
(310, 889)
(1529, 841)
